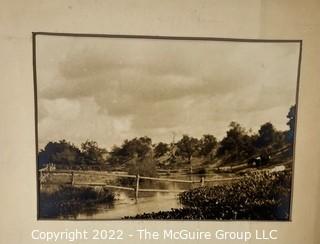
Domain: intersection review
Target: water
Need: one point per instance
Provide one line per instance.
(126, 205)
(148, 202)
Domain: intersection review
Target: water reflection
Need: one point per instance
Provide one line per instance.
(97, 203)
(126, 205)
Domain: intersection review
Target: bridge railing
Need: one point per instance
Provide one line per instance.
(44, 173)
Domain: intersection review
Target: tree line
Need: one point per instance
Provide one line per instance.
(238, 144)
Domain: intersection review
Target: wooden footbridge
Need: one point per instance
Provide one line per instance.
(72, 178)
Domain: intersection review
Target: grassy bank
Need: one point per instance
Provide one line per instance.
(258, 196)
(68, 201)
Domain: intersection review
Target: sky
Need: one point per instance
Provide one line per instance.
(112, 89)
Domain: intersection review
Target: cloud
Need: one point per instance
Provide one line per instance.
(80, 120)
(124, 88)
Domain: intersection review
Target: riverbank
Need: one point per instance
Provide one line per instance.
(69, 201)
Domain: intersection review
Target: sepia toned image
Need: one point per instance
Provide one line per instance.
(142, 127)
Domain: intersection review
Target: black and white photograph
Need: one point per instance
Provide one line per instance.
(165, 128)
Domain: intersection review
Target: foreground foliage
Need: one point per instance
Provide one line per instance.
(258, 196)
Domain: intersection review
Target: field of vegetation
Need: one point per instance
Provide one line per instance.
(260, 195)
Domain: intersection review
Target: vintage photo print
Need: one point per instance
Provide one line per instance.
(167, 128)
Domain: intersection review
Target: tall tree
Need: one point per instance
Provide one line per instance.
(60, 153)
(137, 147)
(237, 144)
(161, 149)
(207, 144)
(92, 153)
(291, 123)
(266, 136)
(187, 147)
(143, 166)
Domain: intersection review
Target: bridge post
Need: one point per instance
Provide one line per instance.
(72, 178)
(137, 187)
(202, 181)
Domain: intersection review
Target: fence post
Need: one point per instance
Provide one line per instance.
(72, 178)
(202, 181)
(137, 187)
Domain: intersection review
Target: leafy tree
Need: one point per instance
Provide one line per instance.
(187, 147)
(266, 136)
(230, 143)
(291, 123)
(92, 153)
(237, 144)
(137, 146)
(207, 144)
(116, 156)
(140, 146)
(279, 139)
(161, 149)
(146, 140)
(60, 153)
(143, 166)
